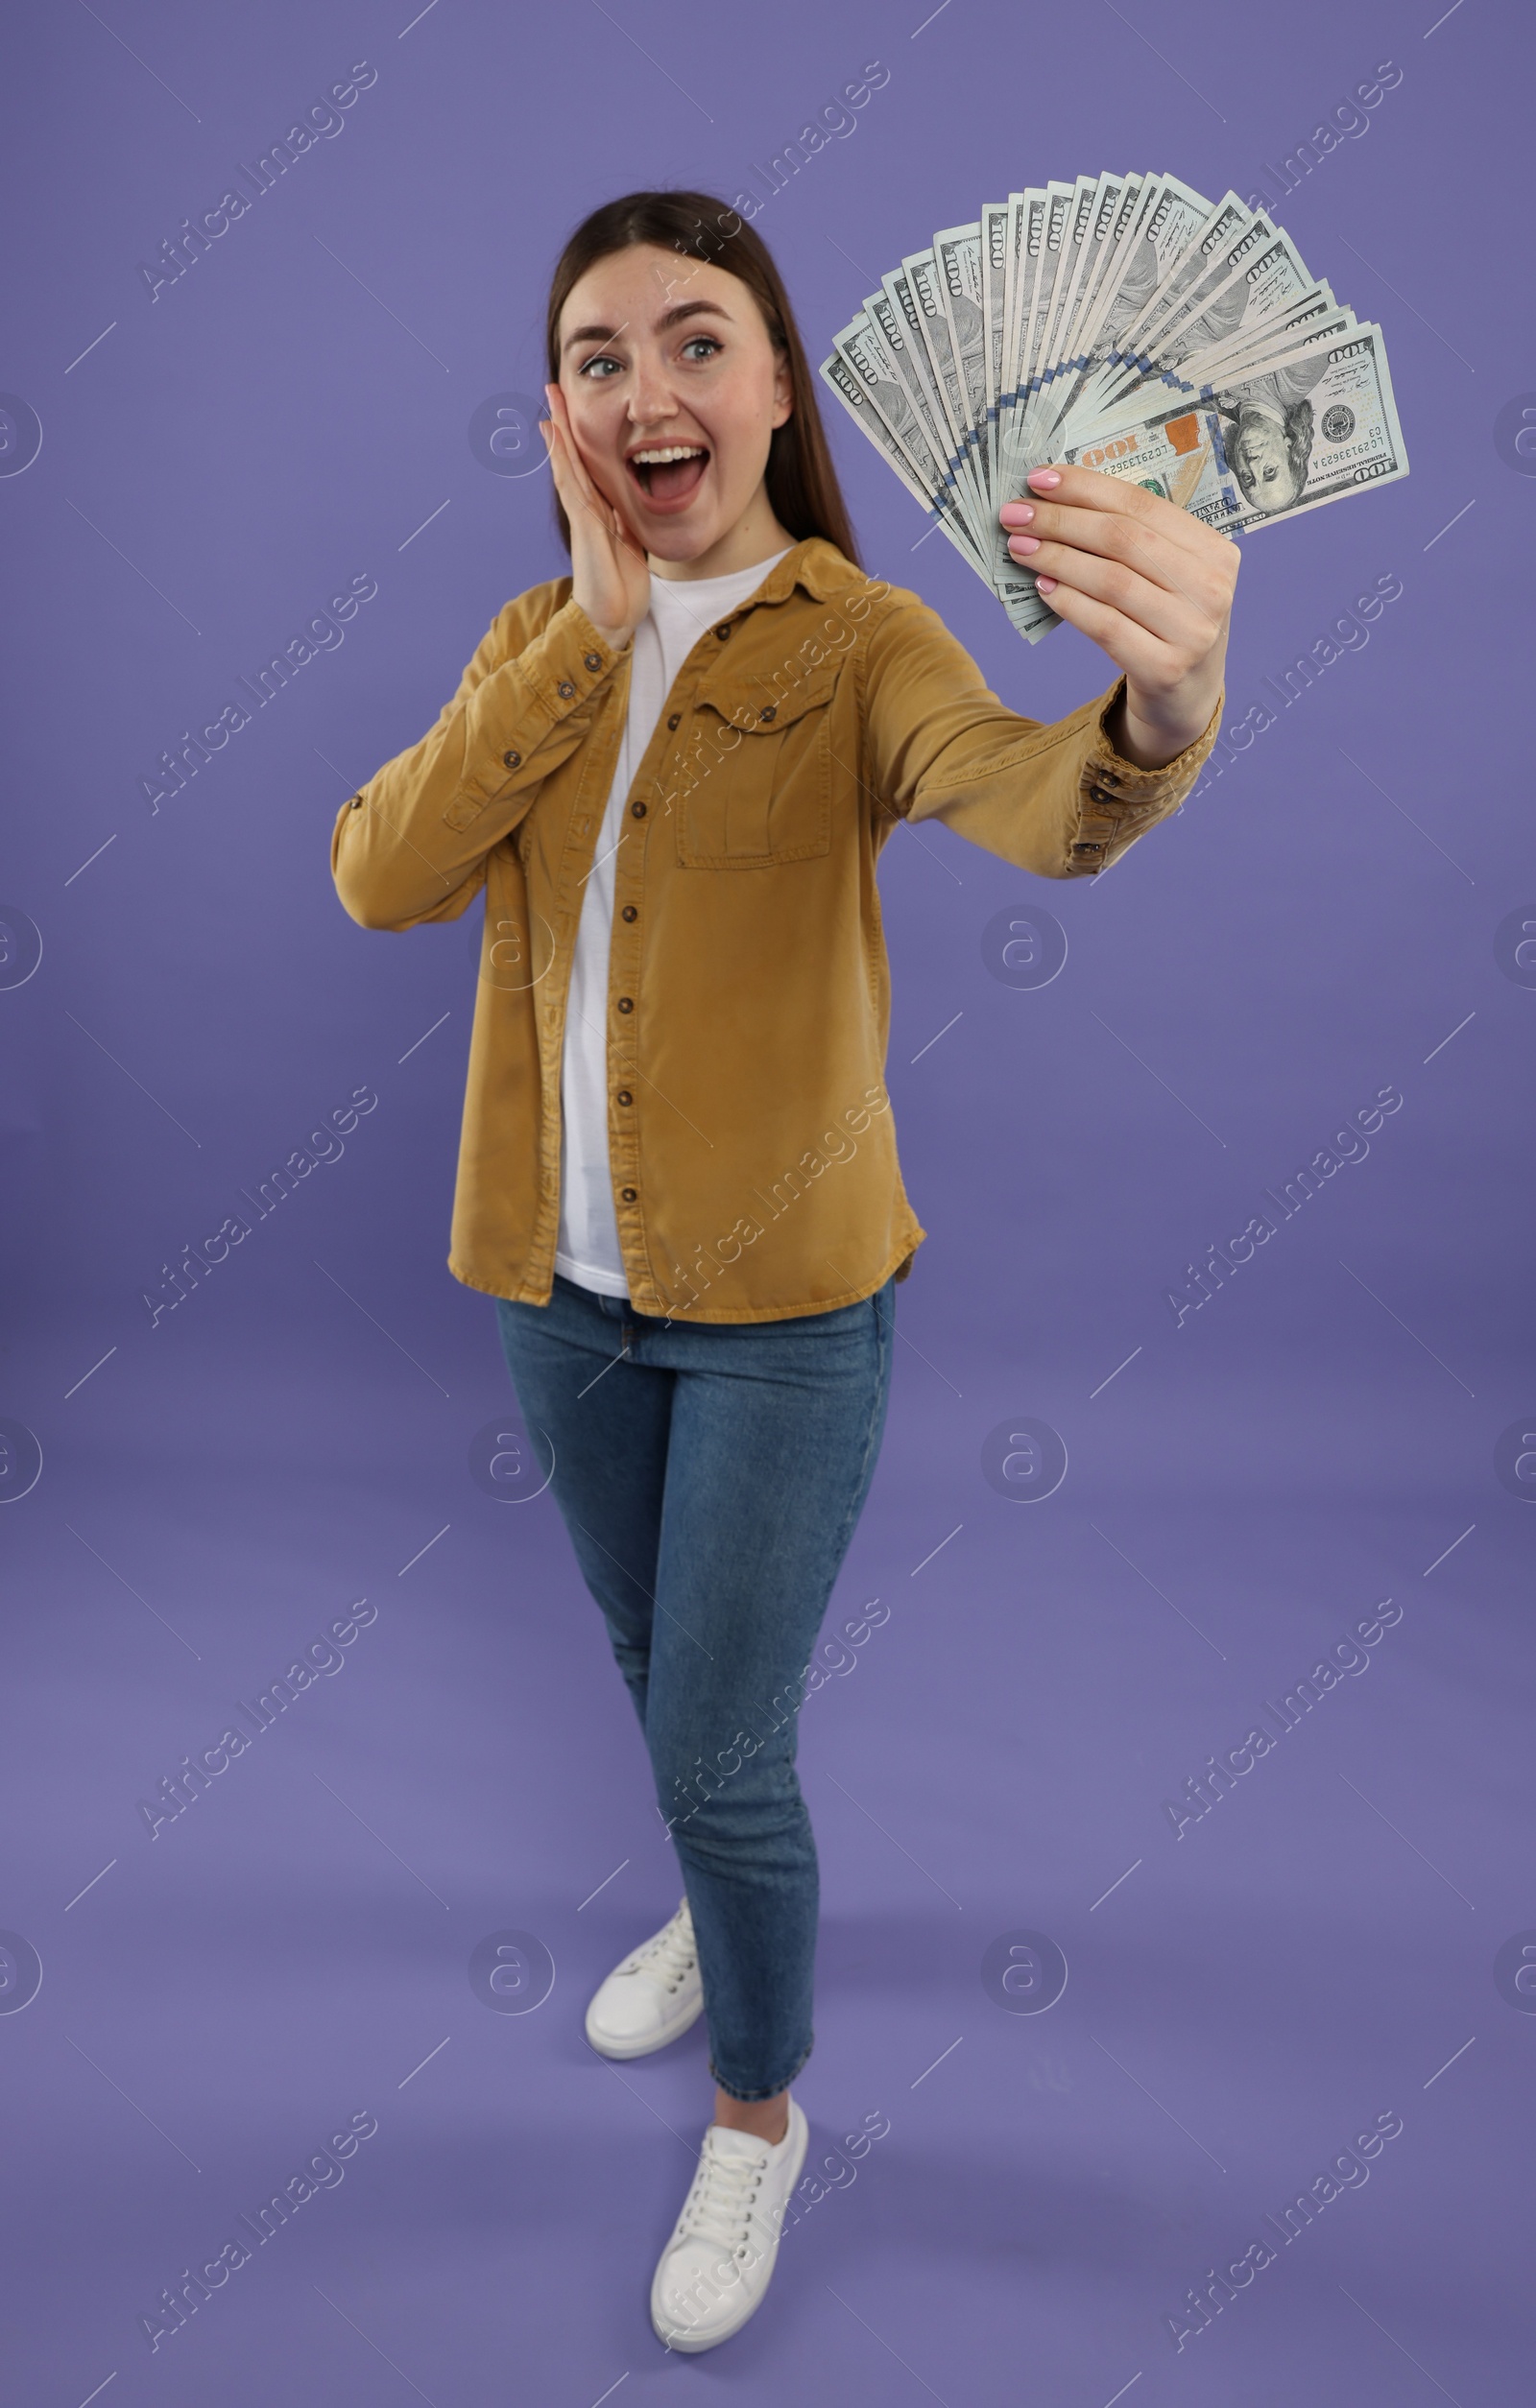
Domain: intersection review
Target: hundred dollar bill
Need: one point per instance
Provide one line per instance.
(1169, 215)
(1163, 213)
(1313, 314)
(1248, 282)
(1041, 294)
(1047, 237)
(994, 299)
(1060, 338)
(1013, 586)
(1312, 427)
(1075, 340)
(957, 262)
(1255, 279)
(1067, 249)
(1301, 319)
(1229, 219)
(1115, 216)
(905, 318)
(894, 337)
(1025, 238)
(1172, 235)
(1198, 380)
(925, 286)
(904, 349)
(937, 499)
(861, 345)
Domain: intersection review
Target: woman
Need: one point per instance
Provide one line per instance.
(673, 773)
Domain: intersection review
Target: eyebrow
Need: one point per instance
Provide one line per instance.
(670, 318)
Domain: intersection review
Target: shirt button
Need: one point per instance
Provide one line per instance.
(723, 631)
(636, 810)
(593, 661)
(512, 760)
(772, 712)
(564, 689)
(628, 912)
(627, 1194)
(357, 803)
(1097, 795)
(625, 1004)
(624, 1096)
(676, 720)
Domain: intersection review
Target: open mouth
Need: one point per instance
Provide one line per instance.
(668, 472)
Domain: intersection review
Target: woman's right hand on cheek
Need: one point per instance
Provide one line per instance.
(611, 578)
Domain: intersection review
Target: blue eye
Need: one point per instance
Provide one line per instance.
(708, 340)
(603, 360)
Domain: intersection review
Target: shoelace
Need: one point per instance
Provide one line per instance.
(669, 1956)
(720, 2202)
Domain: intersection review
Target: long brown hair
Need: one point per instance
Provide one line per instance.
(801, 478)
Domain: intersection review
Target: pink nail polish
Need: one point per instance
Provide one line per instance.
(1023, 543)
(1046, 584)
(1016, 514)
(1044, 479)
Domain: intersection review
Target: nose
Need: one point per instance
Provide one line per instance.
(651, 398)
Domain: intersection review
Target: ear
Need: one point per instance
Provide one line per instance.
(783, 407)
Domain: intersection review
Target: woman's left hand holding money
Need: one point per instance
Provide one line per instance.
(1146, 582)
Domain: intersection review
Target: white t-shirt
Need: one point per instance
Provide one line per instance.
(587, 1249)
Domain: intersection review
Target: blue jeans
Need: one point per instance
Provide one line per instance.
(710, 1476)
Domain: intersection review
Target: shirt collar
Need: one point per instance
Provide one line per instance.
(813, 564)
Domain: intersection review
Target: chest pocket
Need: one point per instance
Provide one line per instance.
(754, 786)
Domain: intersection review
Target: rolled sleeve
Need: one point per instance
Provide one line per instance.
(1119, 802)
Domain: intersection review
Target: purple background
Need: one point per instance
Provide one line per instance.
(1239, 1490)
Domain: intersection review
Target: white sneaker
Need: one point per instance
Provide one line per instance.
(716, 2267)
(652, 1996)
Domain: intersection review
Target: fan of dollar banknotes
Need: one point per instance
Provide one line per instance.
(1123, 323)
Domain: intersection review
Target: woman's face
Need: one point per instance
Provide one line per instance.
(664, 355)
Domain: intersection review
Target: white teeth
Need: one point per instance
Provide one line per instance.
(665, 452)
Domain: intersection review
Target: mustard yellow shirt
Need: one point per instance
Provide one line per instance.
(750, 1135)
